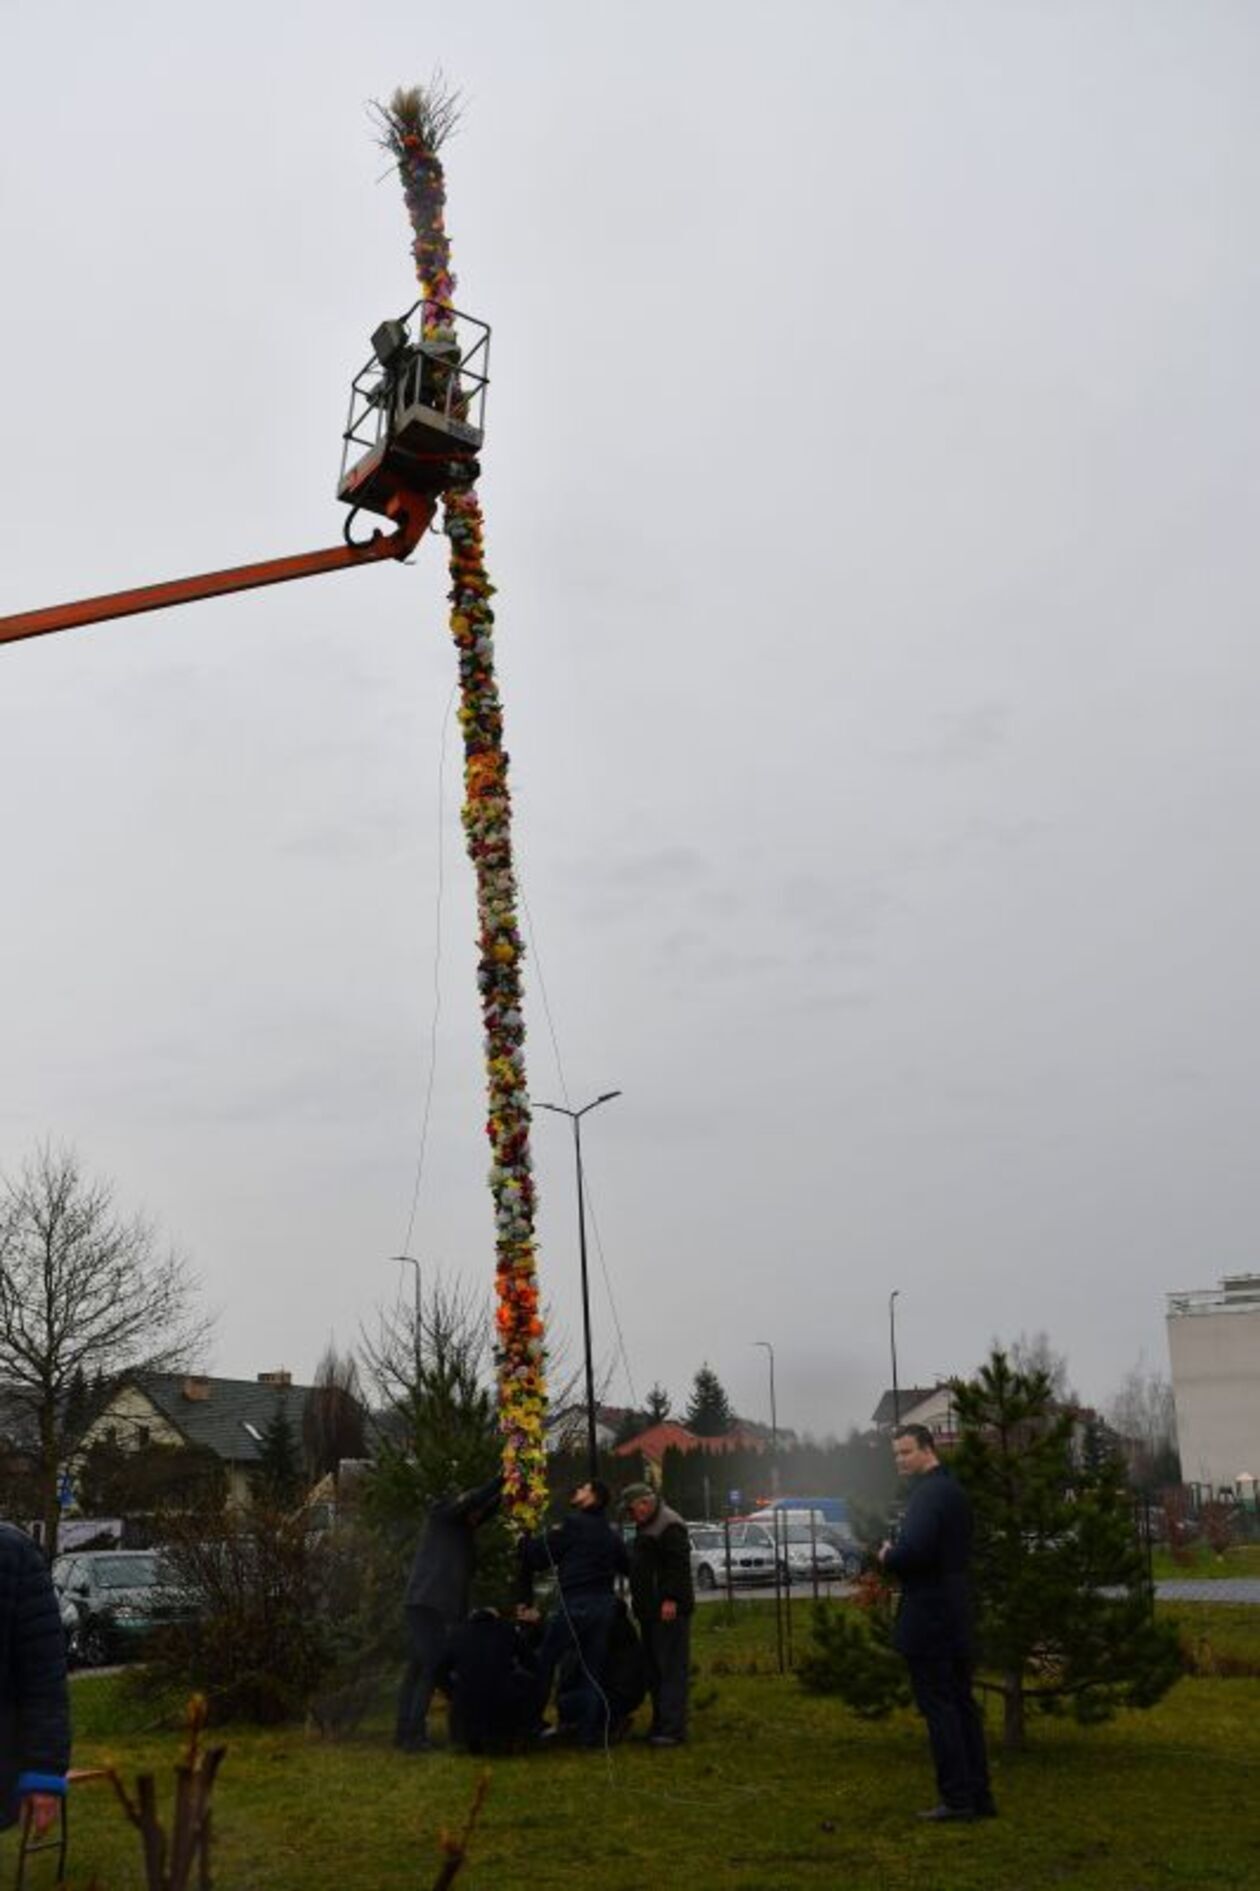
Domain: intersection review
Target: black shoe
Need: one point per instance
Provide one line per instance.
(985, 1808)
(414, 1746)
(944, 1815)
(663, 1740)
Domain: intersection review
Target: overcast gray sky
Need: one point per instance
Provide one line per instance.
(871, 484)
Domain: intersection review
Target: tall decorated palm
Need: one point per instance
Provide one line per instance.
(416, 123)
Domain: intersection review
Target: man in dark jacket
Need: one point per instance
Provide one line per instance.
(662, 1596)
(930, 1557)
(586, 1556)
(437, 1598)
(34, 1699)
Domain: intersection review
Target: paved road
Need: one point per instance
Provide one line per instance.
(1228, 1589)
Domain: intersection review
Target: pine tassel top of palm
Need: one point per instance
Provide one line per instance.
(415, 125)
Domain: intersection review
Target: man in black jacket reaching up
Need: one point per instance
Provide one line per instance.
(931, 1558)
(437, 1599)
(586, 1555)
(663, 1597)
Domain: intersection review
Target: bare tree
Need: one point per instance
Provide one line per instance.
(1032, 1352)
(334, 1425)
(432, 1369)
(1145, 1416)
(87, 1298)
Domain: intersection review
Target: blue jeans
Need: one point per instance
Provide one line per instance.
(583, 1623)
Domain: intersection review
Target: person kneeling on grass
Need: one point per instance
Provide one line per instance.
(490, 1675)
(622, 1681)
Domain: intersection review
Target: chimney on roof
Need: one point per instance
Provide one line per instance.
(281, 1376)
(196, 1389)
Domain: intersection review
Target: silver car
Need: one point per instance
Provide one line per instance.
(751, 1555)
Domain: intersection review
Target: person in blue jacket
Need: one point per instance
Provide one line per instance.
(931, 1557)
(34, 1697)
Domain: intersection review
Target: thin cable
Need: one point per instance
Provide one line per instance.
(542, 986)
(564, 1091)
(437, 971)
(577, 1649)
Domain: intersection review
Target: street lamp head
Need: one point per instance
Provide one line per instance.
(607, 1097)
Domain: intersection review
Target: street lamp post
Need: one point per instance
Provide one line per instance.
(892, 1343)
(774, 1416)
(575, 1117)
(409, 1260)
(774, 1479)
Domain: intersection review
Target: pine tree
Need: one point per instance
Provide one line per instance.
(850, 1653)
(709, 1412)
(278, 1478)
(1063, 1592)
(440, 1430)
(656, 1411)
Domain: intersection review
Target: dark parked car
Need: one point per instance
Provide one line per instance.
(112, 1600)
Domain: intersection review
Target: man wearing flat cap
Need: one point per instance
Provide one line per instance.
(662, 1596)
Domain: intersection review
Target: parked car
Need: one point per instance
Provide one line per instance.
(112, 1600)
(751, 1559)
(809, 1553)
(805, 1524)
(802, 1551)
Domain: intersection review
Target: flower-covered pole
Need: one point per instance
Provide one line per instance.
(416, 123)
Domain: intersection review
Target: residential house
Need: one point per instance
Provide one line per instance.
(227, 1416)
(670, 1435)
(931, 1405)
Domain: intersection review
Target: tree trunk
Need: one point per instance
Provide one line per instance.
(49, 1481)
(1012, 1712)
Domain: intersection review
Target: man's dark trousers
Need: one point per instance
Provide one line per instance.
(426, 1636)
(667, 1646)
(942, 1694)
(584, 1623)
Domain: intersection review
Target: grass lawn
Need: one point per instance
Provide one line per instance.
(1202, 1564)
(776, 1790)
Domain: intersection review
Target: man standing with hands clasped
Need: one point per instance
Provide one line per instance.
(662, 1596)
(930, 1557)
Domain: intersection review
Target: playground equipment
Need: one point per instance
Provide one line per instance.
(413, 432)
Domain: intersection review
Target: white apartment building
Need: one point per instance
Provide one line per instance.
(1214, 1351)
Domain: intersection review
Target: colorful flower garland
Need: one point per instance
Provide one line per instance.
(415, 125)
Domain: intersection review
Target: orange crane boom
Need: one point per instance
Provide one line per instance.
(412, 513)
(415, 424)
